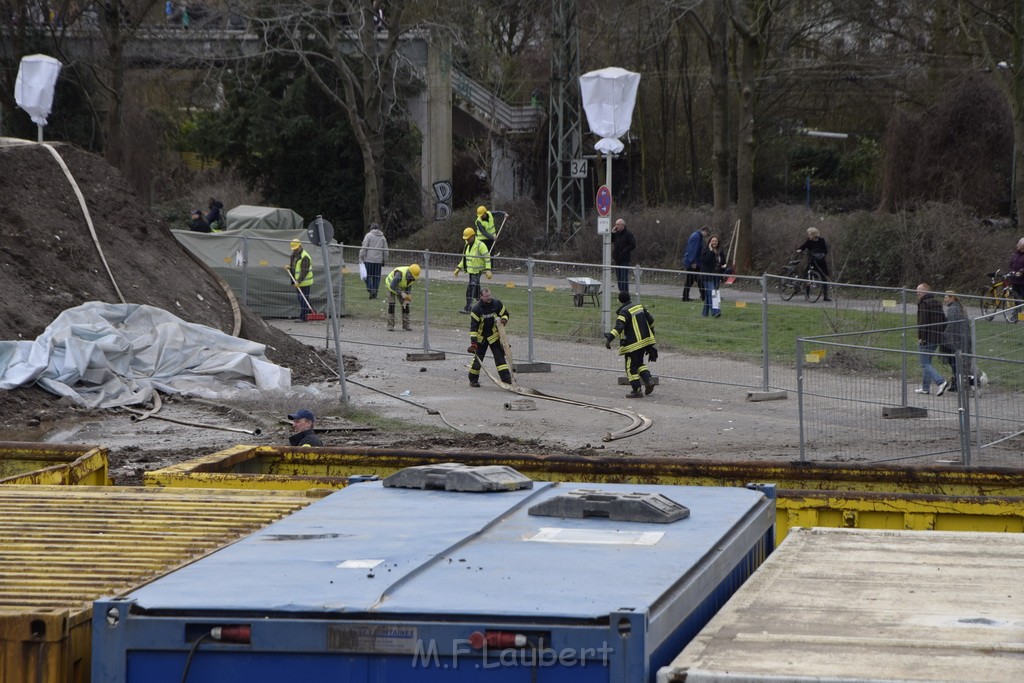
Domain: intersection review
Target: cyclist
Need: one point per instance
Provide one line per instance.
(817, 258)
(1016, 270)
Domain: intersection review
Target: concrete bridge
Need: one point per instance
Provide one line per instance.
(450, 104)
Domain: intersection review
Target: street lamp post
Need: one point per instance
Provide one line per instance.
(608, 98)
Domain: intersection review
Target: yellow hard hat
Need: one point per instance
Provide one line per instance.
(481, 210)
(295, 244)
(414, 269)
(467, 233)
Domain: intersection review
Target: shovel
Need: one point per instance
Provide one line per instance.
(312, 315)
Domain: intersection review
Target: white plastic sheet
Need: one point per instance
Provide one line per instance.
(609, 96)
(33, 89)
(105, 355)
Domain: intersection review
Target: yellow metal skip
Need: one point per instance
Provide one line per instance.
(62, 547)
(941, 498)
(52, 464)
(274, 467)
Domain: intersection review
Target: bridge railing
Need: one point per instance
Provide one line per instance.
(492, 108)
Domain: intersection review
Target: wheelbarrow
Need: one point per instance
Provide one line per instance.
(584, 288)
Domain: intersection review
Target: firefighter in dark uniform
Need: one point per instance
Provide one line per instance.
(484, 319)
(634, 327)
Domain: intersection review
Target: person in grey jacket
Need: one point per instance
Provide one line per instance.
(373, 255)
(956, 337)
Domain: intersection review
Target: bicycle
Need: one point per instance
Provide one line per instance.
(998, 296)
(791, 280)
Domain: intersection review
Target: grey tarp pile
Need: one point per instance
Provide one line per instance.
(105, 355)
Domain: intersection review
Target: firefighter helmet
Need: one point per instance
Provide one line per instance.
(295, 244)
(481, 210)
(467, 233)
(414, 270)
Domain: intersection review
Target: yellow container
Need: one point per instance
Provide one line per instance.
(851, 496)
(62, 547)
(55, 464)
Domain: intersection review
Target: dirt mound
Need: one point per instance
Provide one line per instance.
(50, 261)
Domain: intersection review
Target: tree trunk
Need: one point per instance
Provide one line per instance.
(720, 117)
(745, 155)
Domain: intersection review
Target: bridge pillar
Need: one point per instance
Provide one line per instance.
(432, 113)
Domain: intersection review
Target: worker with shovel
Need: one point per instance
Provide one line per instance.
(484, 332)
(399, 283)
(476, 259)
(300, 268)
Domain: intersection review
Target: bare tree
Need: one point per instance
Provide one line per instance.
(995, 28)
(350, 50)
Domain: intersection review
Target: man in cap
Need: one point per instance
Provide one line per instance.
(399, 283)
(476, 259)
(302, 429)
(300, 266)
(485, 226)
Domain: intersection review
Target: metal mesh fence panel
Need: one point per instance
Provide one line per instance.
(996, 383)
(857, 365)
(858, 401)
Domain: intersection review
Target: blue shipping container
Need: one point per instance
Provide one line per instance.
(406, 585)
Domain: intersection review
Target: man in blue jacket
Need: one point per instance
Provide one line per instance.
(691, 261)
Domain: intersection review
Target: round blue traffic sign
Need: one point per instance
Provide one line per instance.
(604, 201)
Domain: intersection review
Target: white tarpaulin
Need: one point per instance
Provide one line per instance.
(609, 96)
(105, 355)
(33, 89)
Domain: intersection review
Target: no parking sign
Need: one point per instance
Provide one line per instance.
(603, 202)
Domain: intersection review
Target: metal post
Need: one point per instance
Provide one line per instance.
(963, 409)
(331, 304)
(529, 310)
(426, 301)
(606, 257)
(972, 381)
(906, 351)
(800, 395)
(636, 280)
(765, 355)
(245, 270)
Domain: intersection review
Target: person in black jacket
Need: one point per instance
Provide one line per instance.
(712, 266)
(623, 244)
(817, 256)
(215, 216)
(302, 428)
(484, 318)
(196, 222)
(931, 326)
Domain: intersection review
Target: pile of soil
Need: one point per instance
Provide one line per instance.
(49, 262)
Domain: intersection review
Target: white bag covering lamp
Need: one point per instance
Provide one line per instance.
(33, 90)
(609, 96)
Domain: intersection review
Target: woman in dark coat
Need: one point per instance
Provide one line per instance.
(712, 265)
(957, 335)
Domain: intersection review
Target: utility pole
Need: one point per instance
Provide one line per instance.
(566, 168)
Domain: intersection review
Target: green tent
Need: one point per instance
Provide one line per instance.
(252, 257)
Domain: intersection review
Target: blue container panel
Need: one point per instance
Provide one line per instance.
(355, 585)
(235, 667)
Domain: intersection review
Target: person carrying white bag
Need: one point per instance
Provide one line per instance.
(372, 257)
(712, 268)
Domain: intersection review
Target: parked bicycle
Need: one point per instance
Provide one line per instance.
(793, 279)
(998, 298)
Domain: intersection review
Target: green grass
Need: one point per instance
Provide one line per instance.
(736, 334)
